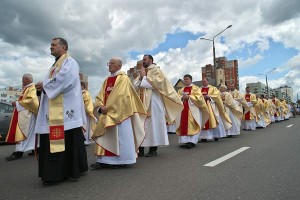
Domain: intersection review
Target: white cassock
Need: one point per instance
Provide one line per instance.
(155, 125)
(171, 128)
(217, 132)
(196, 112)
(249, 124)
(29, 143)
(90, 121)
(74, 113)
(126, 146)
(260, 122)
(236, 123)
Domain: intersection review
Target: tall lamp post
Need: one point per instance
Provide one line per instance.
(266, 75)
(214, 51)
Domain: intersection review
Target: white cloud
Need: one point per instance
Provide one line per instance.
(243, 63)
(97, 30)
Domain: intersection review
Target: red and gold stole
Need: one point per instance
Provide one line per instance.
(108, 88)
(204, 92)
(247, 115)
(185, 113)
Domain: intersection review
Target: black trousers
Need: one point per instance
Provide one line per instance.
(70, 163)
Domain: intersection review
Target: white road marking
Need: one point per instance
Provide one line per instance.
(289, 125)
(226, 157)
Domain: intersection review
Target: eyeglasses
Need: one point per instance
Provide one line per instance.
(110, 63)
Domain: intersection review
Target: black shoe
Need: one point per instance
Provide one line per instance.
(118, 166)
(73, 179)
(141, 152)
(13, 157)
(216, 139)
(99, 165)
(189, 145)
(31, 153)
(151, 154)
(229, 136)
(202, 140)
(49, 183)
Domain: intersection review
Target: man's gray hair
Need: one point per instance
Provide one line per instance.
(223, 86)
(28, 76)
(118, 59)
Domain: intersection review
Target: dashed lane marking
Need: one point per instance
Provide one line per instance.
(226, 157)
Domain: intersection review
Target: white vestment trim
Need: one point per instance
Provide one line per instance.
(155, 125)
(126, 146)
(29, 143)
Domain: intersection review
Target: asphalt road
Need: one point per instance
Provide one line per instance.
(269, 169)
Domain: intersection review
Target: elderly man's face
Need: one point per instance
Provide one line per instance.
(139, 64)
(24, 81)
(222, 89)
(57, 49)
(113, 66)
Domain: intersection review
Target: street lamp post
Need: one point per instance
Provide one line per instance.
(214, 50)
(266, 75)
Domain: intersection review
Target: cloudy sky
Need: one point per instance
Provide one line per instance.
(265, 34)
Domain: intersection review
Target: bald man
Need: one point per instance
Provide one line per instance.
(120, 128)
(22, 124)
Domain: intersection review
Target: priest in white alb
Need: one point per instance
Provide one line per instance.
(249, 116)
(120, 129)
(21, 130)
(219, 121)
(160, 100)
(233, 110)
(193, 116)
(61, 116)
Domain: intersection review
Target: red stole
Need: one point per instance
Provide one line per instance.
(11, 135)
(108, 88)
(247, 115)
(204, 92)
(184, 121)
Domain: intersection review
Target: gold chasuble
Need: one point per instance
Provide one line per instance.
(229, 103)
(190, 123)
(265, 111)
(239, 97)
(284, 108)
(88, 103)
(249, 113)
(259, 109)
(214, 94)
(122, 102)
(277, 103)
(19, 125)
(56, 113)
(161, 84)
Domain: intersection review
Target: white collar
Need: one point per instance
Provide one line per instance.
(115, 74)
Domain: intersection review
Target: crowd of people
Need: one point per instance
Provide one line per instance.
(57, 118)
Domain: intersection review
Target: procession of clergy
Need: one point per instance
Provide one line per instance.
(57, 117)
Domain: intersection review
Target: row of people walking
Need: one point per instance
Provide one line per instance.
(59, 117)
